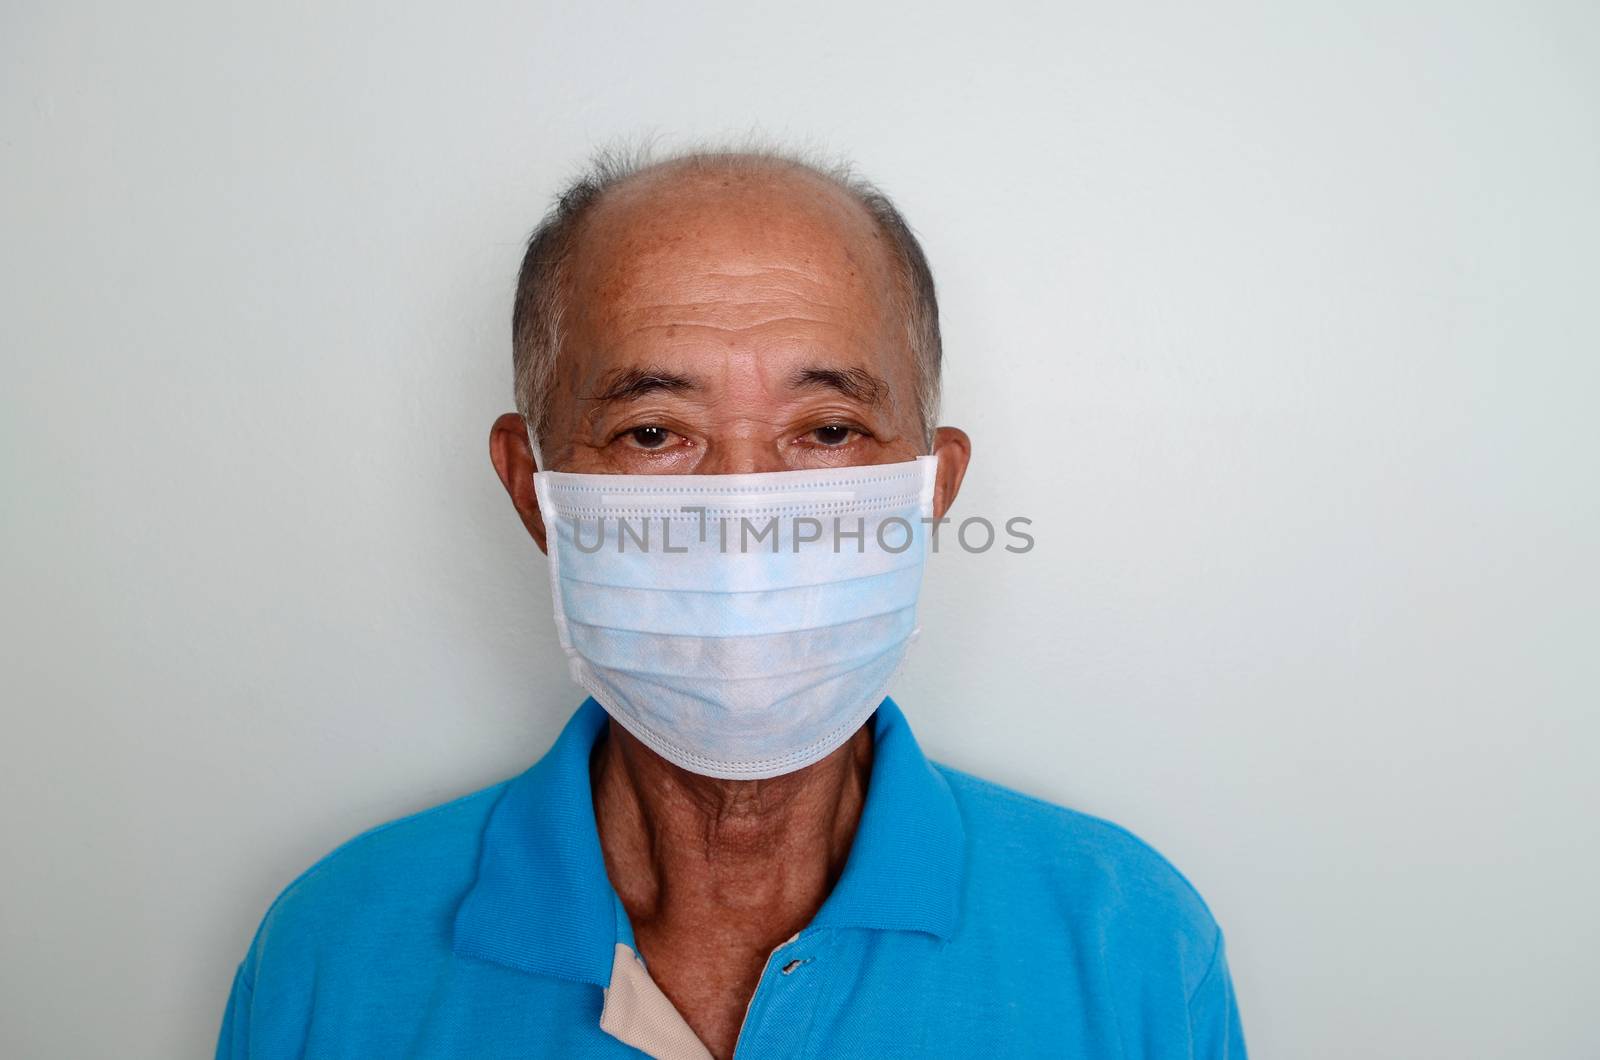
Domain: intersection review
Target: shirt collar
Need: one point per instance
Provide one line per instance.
(542, 902)
(904, 868)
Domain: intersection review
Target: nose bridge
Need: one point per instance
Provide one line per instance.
(742, 422)
(740, 454)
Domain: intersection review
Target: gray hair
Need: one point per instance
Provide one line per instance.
(536, 322)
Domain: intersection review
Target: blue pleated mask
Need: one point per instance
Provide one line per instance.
(741, 626)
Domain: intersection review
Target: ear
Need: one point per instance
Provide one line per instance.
(954, 449)
(513, 461)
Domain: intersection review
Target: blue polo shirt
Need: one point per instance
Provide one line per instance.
(969, 920)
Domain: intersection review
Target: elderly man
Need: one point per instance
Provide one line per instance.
(735, 846)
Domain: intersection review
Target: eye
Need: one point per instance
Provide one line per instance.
(833, 435)
(649, 437)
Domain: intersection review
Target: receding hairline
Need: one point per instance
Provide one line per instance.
(629, 207)
(775, 172)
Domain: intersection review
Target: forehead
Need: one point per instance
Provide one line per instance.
(731, 245)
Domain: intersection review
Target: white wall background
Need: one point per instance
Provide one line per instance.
(1279, 320)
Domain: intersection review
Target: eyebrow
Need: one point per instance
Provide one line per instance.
(857, 384)
(626, 384)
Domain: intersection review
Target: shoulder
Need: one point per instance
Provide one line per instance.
(414, 867)
(1094, 876)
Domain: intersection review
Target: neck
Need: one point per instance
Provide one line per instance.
(751, 860)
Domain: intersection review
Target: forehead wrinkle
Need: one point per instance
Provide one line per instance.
(664, 290)
(738, 316)
(781, 318)
(764, 253)
(671, 285)
(668, 224)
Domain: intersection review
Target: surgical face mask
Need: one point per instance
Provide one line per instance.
(741, 626)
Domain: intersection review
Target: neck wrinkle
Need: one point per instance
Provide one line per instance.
(682, 848)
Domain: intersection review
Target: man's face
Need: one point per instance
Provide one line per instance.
(725, 324)
(722, 324)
